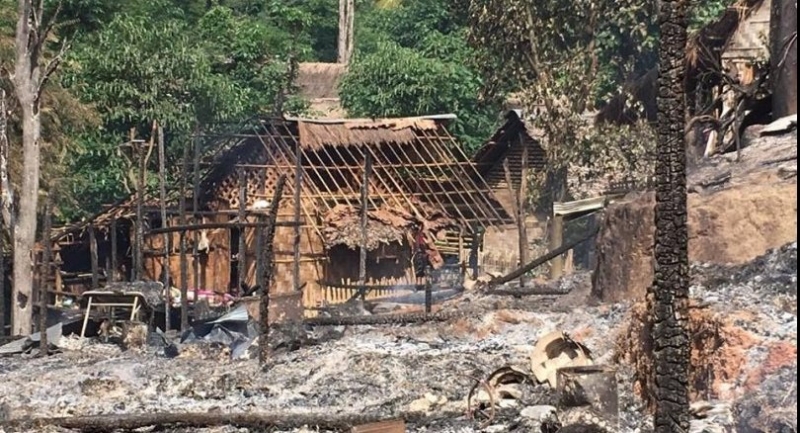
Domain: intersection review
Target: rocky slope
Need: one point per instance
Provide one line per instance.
(737, 211)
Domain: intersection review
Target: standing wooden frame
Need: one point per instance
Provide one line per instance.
(298, 183)
(242, 216)
(362, 258)
(162, 187)
(93, 257)
(183, 260)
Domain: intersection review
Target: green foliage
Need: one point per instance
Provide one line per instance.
(186, 65)
(704, 12)
(565, 57)
(200, 64)
(413, 59)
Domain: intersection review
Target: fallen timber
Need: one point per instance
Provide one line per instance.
(513, 275)
(390, 319)
(259, 421)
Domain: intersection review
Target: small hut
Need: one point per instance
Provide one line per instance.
(505, 148)
(422, 194)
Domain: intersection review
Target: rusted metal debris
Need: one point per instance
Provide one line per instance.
(587, 394)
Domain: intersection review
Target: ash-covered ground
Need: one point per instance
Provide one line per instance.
(390, 369)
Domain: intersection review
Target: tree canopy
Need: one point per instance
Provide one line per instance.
(199, 65)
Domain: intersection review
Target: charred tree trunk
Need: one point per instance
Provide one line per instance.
(268, 263)
(668, 296)
(783, 57)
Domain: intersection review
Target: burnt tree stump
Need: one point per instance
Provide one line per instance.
(592, 387)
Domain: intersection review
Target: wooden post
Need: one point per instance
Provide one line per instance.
(461, 249)
(139, 238)
(242, 259)
(195, 206)
(516, 205)
(114, 264)
(362, 258)
(593, 387)
(298, 180)
(260, 234)
(93, 257)
(269, 236)
(162, 186)
(474, 251)
(522, 197)
(428, 290)
(556, 238)
(183, 262)
(44, 276)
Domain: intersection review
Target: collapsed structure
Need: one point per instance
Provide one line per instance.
(422, 194)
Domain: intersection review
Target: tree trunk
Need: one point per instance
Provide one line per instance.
(783, 57)
(6, 203)
(345, 41)
(668, 296)
(29, 77)
(6, 194)
(25, 230)
(341, 42)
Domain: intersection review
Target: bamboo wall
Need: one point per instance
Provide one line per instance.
(496, 177)
(215, 268)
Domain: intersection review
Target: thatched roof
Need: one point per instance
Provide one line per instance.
(386, 225)
(498, 144)
(319, 80)
(314, 134)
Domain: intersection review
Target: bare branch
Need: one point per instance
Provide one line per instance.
(701, 119)
(51, 23)
(50, 68)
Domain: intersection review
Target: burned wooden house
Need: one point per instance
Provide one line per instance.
(422, 194)
(515, 147)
